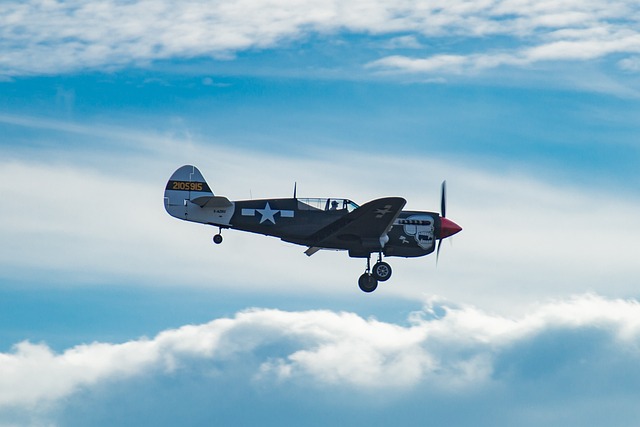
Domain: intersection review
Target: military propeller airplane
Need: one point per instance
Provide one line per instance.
(379, 226)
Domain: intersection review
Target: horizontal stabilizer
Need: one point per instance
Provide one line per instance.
(212, 202)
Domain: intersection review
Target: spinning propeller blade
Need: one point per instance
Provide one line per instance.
(443, 213)
(443, 199)
(447, 227)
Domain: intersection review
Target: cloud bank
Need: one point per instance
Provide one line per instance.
(87, 219)
(56, 36)
(587, 344)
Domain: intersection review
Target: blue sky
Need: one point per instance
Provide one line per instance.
(115, 313)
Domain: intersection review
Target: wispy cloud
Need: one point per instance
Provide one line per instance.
(560, 45)
(44, 37)
(446, 350)
(99, 217)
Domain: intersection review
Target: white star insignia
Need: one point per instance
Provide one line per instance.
(267, 214)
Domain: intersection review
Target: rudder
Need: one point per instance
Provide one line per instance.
(185, 185)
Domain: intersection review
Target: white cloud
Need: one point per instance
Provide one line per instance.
(449, 63)
(630, 64)
(98, 218)
(562, 45)
(403, 42)
(39, 36)
(462, 351)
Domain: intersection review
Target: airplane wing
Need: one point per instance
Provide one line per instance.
(366, 225)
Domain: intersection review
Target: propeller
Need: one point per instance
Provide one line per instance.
(443, 213)
(447, 227)
(443, 199)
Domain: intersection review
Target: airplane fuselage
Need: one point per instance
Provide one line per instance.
(294, 220)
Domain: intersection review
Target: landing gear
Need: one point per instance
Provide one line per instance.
(217, 239)
(367, 283)
(381, 272)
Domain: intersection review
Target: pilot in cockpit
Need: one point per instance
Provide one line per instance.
(334, 205)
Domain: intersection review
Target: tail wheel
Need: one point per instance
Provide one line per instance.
(217, 239)
(381, 271)
(367, 283)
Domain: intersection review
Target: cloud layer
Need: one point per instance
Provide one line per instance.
(95, 218)
(587, 344)
(53, 36)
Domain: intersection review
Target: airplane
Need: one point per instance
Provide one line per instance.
(377, 227)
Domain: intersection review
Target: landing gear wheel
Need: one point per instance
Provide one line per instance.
(381, 271)
(217, 239)
(367, 283)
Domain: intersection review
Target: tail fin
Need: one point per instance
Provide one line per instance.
(185, 185)
(188, 196)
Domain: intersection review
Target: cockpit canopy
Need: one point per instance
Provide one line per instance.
(330, 204)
